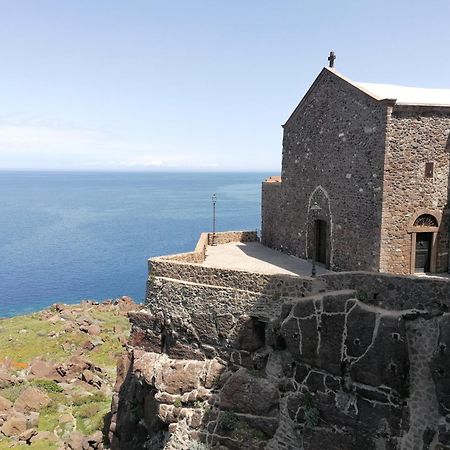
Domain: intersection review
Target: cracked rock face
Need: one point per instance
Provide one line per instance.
(326, 371)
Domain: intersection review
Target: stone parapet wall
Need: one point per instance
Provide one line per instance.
(394, 292)
(196, 256)
(199, 253)
(187, 267)
(226, 237)
(278, 285)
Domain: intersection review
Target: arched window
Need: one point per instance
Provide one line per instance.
(426, 220)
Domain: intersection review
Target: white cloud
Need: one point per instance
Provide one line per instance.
(42, 147)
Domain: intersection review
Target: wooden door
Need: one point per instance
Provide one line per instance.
(320, 232)
(423, 251)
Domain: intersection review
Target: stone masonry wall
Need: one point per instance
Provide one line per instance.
(226, 237)
(333, 154)
(356, 360)
(222, 237)
(414, 138)
(281, 285)
(394, 292)
(270, 214)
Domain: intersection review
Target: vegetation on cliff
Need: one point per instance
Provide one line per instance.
(57, 370)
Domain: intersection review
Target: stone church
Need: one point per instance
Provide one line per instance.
(365, 178)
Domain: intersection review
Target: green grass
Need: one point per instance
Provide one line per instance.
(49, 418)
(90, 416)
(23, 347)
(12, 392)
(20, 348)
(6, 444)
(48, 386)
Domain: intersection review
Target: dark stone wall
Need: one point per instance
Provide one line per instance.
(271, 219)
(278, 285)
(394, 292)
(361, 364)
(333, 154)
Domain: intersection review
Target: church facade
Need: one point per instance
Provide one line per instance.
(365, 178)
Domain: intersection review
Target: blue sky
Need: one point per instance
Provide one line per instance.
(191, 84)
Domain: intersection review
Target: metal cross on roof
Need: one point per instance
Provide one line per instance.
(331, 59)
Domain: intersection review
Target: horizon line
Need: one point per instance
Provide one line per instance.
(139, 171)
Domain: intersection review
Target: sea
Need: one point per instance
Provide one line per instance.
(69, 236)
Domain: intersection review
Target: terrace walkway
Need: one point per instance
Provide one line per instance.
(254, 257)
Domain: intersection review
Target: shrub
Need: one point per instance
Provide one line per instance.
(49, 386)
(12, 392)
(276, 296)
(195, 445)
(228, 421)
(96, 397)
(312, 414)
(89, 410)
(245, 433)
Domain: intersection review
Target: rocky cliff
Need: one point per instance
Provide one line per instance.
(343, 361)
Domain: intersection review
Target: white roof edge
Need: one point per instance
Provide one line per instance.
(354, 84)
(401, 95)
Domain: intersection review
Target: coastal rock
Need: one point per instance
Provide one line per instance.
(40, 368)
(94, 330)
(44, 436)
(5, 404)
(5, 377)
(31, 399)
(14, 425)
(75, 441)
(244, 393)
(27, 434)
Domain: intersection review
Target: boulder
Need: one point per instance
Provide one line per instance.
(40, 368)
(95, 439)
(87, 376)
(75, 441)
(32, 419)
(5, 404)
(5, 377)
(122, 368)
(94, 330)
(27, 435)
(44, 435)
(14, 425)
(31, 399)
(245, 393)
(126, 303)
(88, 345)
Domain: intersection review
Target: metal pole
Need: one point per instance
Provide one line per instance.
(214, 199)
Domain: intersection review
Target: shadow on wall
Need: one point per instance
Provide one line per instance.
(212, 366)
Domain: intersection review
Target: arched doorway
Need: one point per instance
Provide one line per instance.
(319, 228)
(320, 238)
(423, 243)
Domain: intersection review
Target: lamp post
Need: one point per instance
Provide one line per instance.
(315, 209)
(214, 200)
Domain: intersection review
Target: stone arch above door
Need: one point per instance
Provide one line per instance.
(320, 196)
(415, 220)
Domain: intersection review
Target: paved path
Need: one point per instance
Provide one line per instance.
(254, 257)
